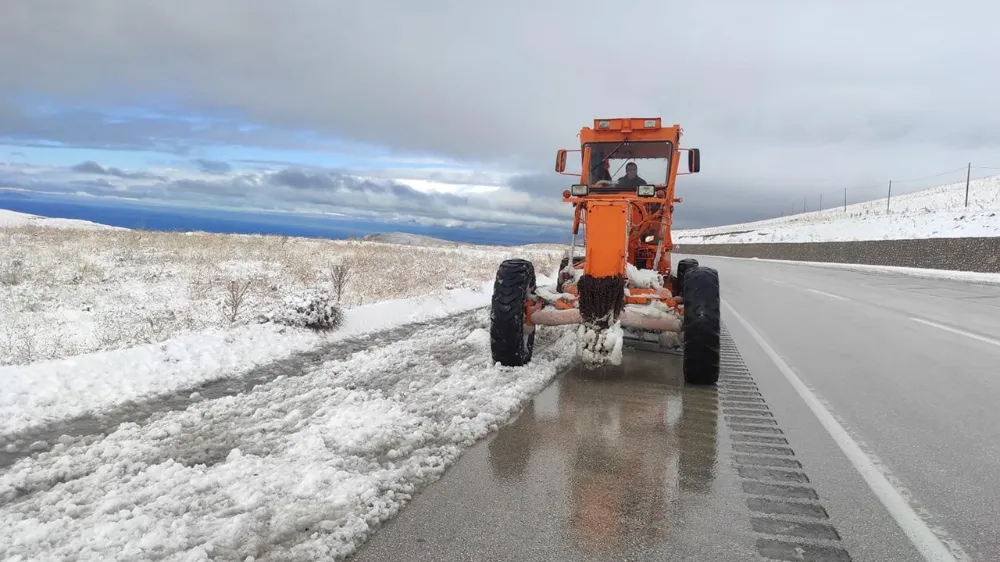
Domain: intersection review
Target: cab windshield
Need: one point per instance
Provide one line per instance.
(651, 158)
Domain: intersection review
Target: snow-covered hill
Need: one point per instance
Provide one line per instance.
(407, 239)
(938, 212)
(13, 218)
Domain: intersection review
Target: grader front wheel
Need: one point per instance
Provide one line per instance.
(512, 340)
(702, 326)
(683, 267)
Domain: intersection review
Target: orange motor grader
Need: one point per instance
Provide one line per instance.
(623, 286)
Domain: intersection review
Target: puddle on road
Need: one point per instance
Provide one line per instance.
(92, 427)
(600, 465)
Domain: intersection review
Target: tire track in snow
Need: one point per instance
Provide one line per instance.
(93, 426)
(299, 468)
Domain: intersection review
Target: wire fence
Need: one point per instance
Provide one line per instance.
(956, 188)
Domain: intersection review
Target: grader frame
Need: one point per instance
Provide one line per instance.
(624, 285)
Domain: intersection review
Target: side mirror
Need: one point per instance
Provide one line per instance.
(694, 160)
(561, 161)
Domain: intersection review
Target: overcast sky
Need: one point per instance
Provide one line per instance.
(786, 99)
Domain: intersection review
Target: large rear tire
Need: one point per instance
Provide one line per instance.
(683, 267)
(702, 326)
(512, 341)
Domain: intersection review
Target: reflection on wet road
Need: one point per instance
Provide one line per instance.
(629, 447)
(620, 465)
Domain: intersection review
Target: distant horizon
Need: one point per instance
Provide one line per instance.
(165, 217)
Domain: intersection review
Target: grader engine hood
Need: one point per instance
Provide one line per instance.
(606, 238)
(602, 287)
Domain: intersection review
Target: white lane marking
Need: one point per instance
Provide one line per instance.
(825, 294)
(957, 331)
(915, 528)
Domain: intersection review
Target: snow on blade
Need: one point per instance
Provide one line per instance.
(598, 347)
(300, 468)
(44, 392)
(643, 278)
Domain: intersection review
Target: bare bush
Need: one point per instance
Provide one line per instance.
(339, 273)
(236, 293)
(315, 310)
(12, 272)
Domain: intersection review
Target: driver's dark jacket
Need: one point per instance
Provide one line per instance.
(626, 181)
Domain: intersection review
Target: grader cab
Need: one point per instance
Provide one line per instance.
(623, 287)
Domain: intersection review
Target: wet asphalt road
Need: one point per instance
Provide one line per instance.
(637, 466)
(922, 399)
(620, 467)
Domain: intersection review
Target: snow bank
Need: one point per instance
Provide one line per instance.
(302, 468)
(52, 390)
(939, 212)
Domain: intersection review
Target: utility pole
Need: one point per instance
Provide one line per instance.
(968, 172)
(889, 197)
(804, 204)
(845, 199)
(820, 201)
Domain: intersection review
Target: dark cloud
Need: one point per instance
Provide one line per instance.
(786, 99)
(873, 85)
(705, 203)
(541, 185)
(296, 189)
(212, 166)
(91, 167)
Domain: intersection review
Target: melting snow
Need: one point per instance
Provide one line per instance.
(596, 347)
(300, 468)
(42, 392)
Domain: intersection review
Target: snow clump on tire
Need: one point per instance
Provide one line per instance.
(315, 310)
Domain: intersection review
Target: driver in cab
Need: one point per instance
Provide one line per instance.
(631, 177)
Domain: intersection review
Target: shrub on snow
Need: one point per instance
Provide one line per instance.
(316, 310)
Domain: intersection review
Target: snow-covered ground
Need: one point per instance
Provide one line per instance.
(43, 393)
(302, 468)
(307, 463)
(13, 218)
(68, 291)
(92, 318)
(939, 212)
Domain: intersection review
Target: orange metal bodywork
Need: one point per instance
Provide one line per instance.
(617, 221)
(609, 217)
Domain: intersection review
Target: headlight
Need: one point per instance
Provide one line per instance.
(646, 190)
(649, 239)
(580, 190)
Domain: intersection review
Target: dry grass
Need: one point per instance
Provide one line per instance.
(68, 291)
